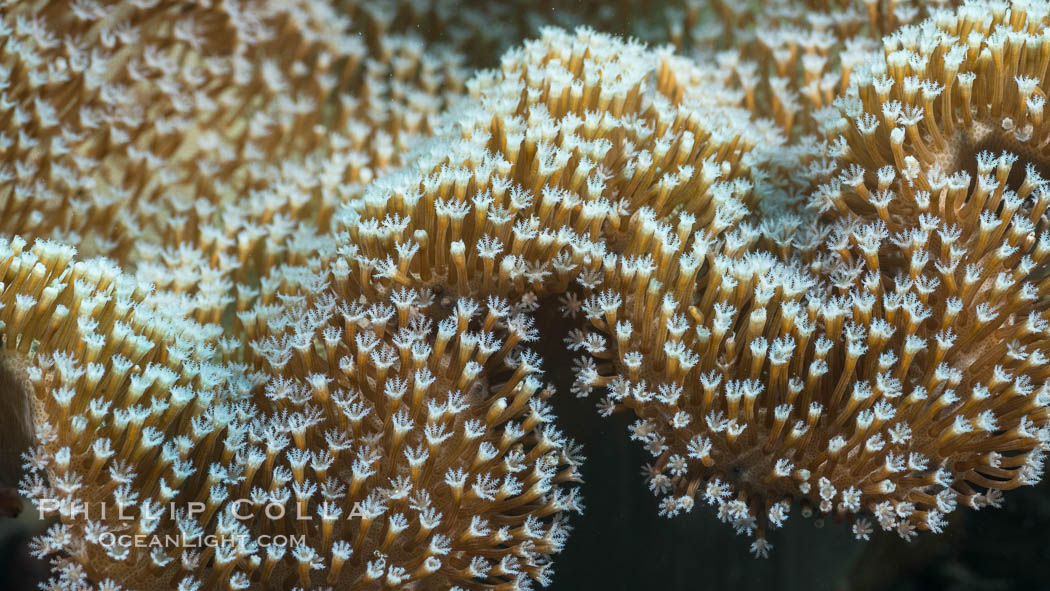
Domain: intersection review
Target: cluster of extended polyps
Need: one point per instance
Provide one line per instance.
(792, 61)
(695, 329)
(432, 460)
(110, 106)
(939, 93)
(275, 210)
(897, 387)
(968, 224)
(412, 456)
(111, 367)
(901, 373)
(551, 157)
(136, 126)
(794, 58)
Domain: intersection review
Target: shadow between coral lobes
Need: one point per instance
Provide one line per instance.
(620, 543)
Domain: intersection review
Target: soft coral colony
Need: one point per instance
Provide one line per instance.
(893, 367)
(382, 434)
(327, 255)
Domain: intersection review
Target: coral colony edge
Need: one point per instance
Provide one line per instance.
(277, 272)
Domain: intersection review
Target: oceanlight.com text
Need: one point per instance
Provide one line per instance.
(109, 540)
